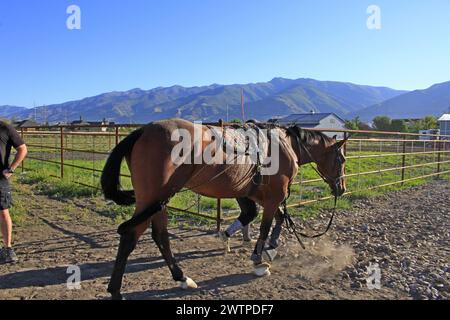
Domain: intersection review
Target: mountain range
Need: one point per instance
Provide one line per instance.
(412, 105)
(264, 100)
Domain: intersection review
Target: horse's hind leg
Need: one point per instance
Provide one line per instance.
(161, 237)
(128, 242)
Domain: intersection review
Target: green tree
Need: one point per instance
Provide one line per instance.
(382, 123)
(414, 126)
(354, 124)
(398, 125)
(430, 122)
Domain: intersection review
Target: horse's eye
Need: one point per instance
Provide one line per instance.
(341, 159)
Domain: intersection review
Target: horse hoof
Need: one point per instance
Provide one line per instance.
(270, 254)
(188, 284)
(117, 296)
(226, 242)
(262, 270)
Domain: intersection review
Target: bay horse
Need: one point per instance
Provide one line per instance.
(156, 178)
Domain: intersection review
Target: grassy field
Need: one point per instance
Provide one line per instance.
(78, 183)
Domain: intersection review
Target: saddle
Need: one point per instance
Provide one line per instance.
(248, 140)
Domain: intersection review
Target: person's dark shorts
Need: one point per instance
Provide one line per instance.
(5, 194)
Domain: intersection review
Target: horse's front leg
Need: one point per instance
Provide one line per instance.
(249, 212)
(262, 268)
(276, 231)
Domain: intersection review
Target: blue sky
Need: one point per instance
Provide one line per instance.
(149, 43)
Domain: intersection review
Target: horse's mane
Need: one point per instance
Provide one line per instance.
(308, 137)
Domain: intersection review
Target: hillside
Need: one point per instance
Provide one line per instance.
(278, 97)
(416, 104)
(6, 111)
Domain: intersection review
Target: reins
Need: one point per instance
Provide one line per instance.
(291, 226)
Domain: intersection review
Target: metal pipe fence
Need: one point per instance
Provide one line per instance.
(375, 160)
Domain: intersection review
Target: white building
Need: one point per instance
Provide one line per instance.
(316, 121)
(444, 124)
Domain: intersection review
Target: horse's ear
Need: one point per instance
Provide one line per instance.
(341, 143)
(335, 137)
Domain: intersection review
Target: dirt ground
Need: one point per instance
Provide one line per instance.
(405, 232)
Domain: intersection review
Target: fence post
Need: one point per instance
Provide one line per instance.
(440, 142)
(219, 201)
(117, 135)
(403, 159)
(61, 134)
(345, 145)
(22, 165)
(219, 214)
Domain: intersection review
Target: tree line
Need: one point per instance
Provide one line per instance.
(384, 123)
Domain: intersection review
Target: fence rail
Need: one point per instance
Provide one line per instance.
(77, 154)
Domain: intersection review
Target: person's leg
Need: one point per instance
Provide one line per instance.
(6, 227)
(7, 254)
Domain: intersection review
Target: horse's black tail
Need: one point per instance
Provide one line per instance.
(110, 180)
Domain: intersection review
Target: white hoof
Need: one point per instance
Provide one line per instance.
(225, 240)
(262, 270)
(227, 247)
(188, 284)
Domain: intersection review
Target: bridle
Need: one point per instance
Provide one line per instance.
(339, 161)
(335, 181)
(330, 180)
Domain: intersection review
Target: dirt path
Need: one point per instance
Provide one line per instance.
(406, 233)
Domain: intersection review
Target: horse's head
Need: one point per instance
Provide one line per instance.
(331, 165)
(326, 152)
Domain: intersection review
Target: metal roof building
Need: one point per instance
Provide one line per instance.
(444, 124)
(316, 121)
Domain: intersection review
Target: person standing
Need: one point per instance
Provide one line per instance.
(9, 138)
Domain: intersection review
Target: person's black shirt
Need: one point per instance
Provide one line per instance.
(9, 137)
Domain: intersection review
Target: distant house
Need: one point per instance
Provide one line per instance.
(316, 121)
(25, 124)
(81, 125)
(80, 122)
(444, 124)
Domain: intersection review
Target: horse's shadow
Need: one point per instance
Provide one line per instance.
(207, 285)
(90, 271)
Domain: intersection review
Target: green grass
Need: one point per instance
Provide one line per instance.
(19, 210)
(54, 187)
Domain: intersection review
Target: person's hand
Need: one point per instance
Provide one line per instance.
(7, 174)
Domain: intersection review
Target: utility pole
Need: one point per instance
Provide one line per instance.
(44, 114)
(35, 114)
(227, 113)
(242, 105)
